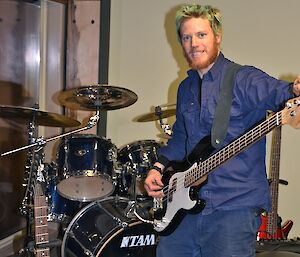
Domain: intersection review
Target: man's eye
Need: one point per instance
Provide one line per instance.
(186, 38)
(201, 35)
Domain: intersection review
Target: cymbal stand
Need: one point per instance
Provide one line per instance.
(33, 172)
(34, 159)
(40, 142)
(166, 127)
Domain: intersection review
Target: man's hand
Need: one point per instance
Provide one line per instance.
(296, 87)
(153, 184)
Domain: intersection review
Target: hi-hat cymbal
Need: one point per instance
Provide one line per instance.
(27, 115)
(152, 116)
(97, 97)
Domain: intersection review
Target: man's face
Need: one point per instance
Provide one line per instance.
(200, 45)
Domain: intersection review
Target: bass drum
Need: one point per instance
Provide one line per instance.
(105, 228)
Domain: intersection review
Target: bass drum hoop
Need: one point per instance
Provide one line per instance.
(107, 238)
(111, 235)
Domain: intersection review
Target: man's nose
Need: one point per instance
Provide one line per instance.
(195, 41)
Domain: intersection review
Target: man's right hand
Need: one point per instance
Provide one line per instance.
(153, 184)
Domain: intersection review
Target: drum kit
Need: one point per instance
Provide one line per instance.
(93, 188)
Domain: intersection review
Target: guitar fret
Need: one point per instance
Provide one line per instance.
(43, 238)
(42, 252)
(40, 226)
(41, 223)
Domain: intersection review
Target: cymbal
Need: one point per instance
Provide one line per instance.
(26, 115)
(97, 97)
(163, 136)
(152, 116)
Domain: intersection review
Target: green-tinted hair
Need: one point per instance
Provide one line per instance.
(188, 11)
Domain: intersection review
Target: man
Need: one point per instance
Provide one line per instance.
(237, 191)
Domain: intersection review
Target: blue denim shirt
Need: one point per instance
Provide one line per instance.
(242, 180)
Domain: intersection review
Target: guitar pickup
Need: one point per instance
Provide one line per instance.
(172, 189)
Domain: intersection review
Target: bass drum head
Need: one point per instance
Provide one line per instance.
(102, 228)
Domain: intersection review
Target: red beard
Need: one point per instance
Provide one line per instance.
(199, 64)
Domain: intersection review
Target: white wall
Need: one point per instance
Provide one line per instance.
(145, 58)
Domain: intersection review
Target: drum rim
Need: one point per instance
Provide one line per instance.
(66, 139)
(137, 143)
(85, 173)
(79, 214)
(111, 235)
(86, 136)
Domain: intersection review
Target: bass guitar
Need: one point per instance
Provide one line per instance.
(271, 227)
(184, 179)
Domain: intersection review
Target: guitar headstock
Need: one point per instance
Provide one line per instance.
(291, 113)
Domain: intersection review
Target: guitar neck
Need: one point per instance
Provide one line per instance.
(41, 223)
(233, 149)
(274, 181)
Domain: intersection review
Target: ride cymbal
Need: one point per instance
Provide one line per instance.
(156, 116)
(97, 97)
(27, 115)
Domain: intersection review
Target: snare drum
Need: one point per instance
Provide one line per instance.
(85, 167)
(104, 229)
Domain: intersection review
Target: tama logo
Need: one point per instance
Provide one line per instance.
(139, 240)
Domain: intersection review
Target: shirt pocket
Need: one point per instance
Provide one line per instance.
(191, 116)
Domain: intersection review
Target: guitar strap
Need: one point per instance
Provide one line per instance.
(222, 112)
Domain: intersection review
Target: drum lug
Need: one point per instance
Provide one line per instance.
(123, 224)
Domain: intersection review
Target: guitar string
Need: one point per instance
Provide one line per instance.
(211, 162)
(219, 157)
(272, 216)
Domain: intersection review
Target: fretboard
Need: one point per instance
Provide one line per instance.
(41, 223)
(274, 177)
(232, 149)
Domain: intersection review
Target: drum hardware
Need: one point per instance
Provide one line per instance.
(166, 127)
(34, 166)
(159, 115)
(85, 250)
(40, 141)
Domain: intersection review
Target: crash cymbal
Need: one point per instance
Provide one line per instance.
(26, 115)
(152, 116)
(97, 97)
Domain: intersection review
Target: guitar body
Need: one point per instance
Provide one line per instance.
(171, 212)
(281, 232)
